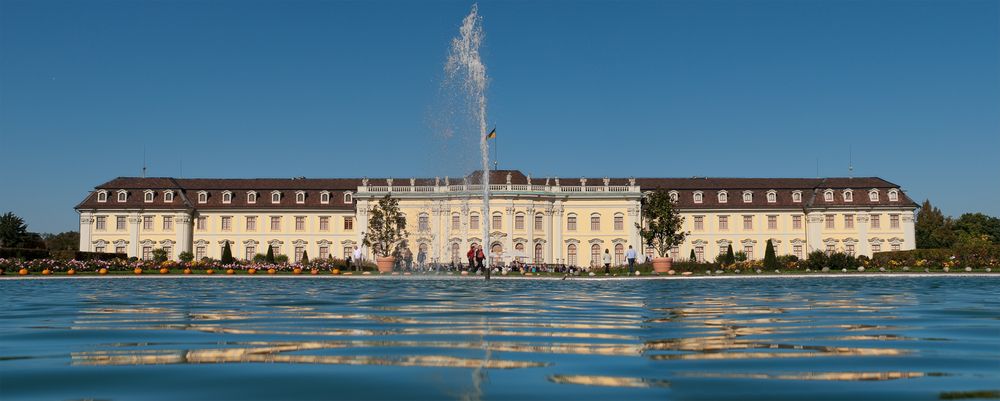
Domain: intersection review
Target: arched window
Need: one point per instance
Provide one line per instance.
(571, 222)
(571, 254)
(456, 221)
(848, 195)
(168, 196)
(251, 197)
(456, 253)
(148, 196)
(619, 222)
(673, 196)
(619, 254)
(122, 196)
(873, 195)
(723, 196)
(828, 195)
(539, 221)
(538, 253)
(275, 197)
(423, 222)
(102, 196)
(227, 197)
(519, 247)
(698, 197)
(772, 196)
(300, 197)
(747, 196)
(595, 255)
(496, 254)
(796, 196)
(348, 198)
(202, 197)
(893, 195)
(595, 222)
(324, 197)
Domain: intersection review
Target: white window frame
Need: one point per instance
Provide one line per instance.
(300, 197)
(698, 197)
(148, 196)
(772, 196)
(797, 196)
(227, 197)
(673, 196)
(275, 197)
(202, 197)
(102, 196)
(848, 195)
(168, 196)
(873, 195)
(122, 195)
(723, 196)
(348, 197)
(324, 197)
(828, 195)
(747, 196)
(893, 195)
(251, 197)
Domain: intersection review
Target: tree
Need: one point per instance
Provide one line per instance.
(386, 227)
(227, 255)
(730, 256)
(693, 257)
(770, 260)
(185, 256)
(269, 258)
(663, 223)
(13, 231)
(64, 241)
(977, 224)
(932, 228)
(159, 255)
(305, 258)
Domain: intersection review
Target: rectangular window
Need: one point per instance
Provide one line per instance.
(324, 252)
(849, 249)
(497, 222)
(571, 223)
(876, 223)
(699, 253)
(101, 223)
(519, 222)
(699, 223)
(474, 222)
(251, 223)
(119, 249)
(830, 249)
(250, 252)
(675, 253)
(876, 247)
(169, 251)
(539, 222)
(748, 250)
(324, 223)
(797, 251)
(348, 223)
(300, 223)
(796, 222)
(276, 248)
(298, 253)
(456, 222)
(201, 223)
(199, 253)
(772, 222)
(227, 223)
(848, 221)
(619, 223)
(424, 223)
(168, 223)
(895, 247)
(120, 223)
(893, 221)
(147, 223)
(275, 223)
(723, 222)
(348, 252)
(595, 223)
(748, 222)
(99, 249)
(830, 221)
(147, 253)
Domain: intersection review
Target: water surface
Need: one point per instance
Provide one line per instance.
(306, 339)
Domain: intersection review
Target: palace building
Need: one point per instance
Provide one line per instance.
(540, 220)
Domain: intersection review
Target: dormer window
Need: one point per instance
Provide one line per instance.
(276, 197)
(747, 196)
(797, 196)
(324, 197)
(828, 195)
(723, 196)
(348, 198)
(893, 195)
(673, 196)
(251, 197)
(300, 197)
(202, 197)
(873, 195)
(698, 197)
(227, 197)
(102, 196)
(122, 195)
(848, 195)
(772, 196)
(168, 196)
(148, 196)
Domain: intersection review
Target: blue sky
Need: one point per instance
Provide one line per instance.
(625, 88)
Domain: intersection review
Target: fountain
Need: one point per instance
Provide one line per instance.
(466, 67)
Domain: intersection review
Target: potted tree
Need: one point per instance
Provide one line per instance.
(386, 230)
(662, 230)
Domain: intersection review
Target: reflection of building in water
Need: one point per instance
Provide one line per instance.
(608, 381)
(549, 220)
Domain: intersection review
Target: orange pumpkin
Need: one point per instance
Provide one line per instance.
(70, 272)
(23, 272)
(187, 271)
(296, 271)
(164, 270)
(252, 271)
(335, 271)
(102, 271)
(209, 271)
(230, 271)
(46, 272)
(315, 271)
(137, 270)
(271, 271)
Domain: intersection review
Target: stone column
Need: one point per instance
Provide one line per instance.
(86, 223)
(557, 245)
(436, 232)
(549, 235)
(634, 214)
(529, 217)
(361, 222)
(445, 235)
(814, 233)
(133, 230)
(909, 234)
(508, 243)
(185, 233)
(864, 248)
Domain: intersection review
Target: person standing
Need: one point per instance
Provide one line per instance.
(357, 258)
(630, 255)
(607, 262)
(421, 258)
(480, 257)
(408, 257)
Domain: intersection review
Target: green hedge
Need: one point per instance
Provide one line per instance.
(23, 253)
(936, 258)
(106, 256)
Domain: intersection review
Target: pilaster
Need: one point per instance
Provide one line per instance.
(86, 227)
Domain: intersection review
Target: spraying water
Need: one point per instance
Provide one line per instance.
(465, 66)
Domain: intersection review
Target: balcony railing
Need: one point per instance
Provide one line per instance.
(498, 188)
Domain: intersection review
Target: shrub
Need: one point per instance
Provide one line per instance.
(159, 255)
(23, 253)
(270, 255)
(185, 257)
(730, 256)
(63, 254)
(227, 255)
(740, 257)
(305, 258)
(281, 258)
(260, 258)
(104, 256)
(839, 260)
(770, 260)
(816, 260)
(695, 266)
(693, 257)
(788, 261)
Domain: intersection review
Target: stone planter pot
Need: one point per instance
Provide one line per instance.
(385, 263)
(662, 265)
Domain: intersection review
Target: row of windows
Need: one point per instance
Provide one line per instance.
(226, 223)
(772, 196)
(227, 196)
(772, 222)
(423, 222)
(748, 249)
